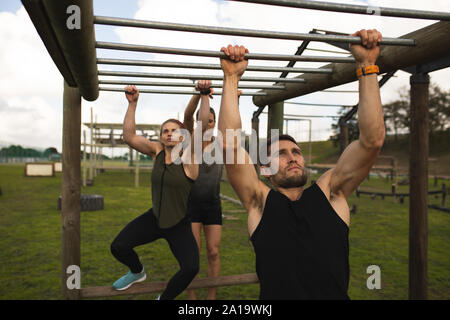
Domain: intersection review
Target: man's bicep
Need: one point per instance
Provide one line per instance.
(352, 168)
(245, 182)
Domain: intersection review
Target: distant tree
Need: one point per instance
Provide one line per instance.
(352, 125)
(394, 115)
(49, 151)
(18, 151)
(397, 113)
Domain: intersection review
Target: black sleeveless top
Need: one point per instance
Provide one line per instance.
(301, 248)
(205, 192)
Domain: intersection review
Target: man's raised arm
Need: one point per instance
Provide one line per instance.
(355, 162)
(243, 177)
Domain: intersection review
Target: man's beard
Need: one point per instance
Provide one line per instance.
(291, 182)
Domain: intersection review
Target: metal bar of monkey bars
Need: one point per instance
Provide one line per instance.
(219, 54)
(241, 32)
(171, 64)
(318, 104)
(305, 116)
(186, 84)
(192, 76)
(351, 8)
(186, 92)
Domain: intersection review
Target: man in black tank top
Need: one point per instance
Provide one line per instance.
(300, 235)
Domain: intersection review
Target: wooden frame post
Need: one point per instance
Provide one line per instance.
(71, 188)
(95, 148)
(418, 200)
(343, 134)
(275, 117)
(84, 158)
(255, 127)
(91, 155)
(136, 170)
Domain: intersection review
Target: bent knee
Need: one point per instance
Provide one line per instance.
(191, 270)
(212, 253)
(118, 246)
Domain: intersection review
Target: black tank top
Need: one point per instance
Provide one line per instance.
(301, 248)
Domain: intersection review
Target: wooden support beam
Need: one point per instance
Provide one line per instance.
(39, 17)
(71, 187)
(152, 287)
(418, 200)
(84, 158)
(77, 42)
(343, 134)
(136, 170)
(91, 155)
(275, 118)
(255, 127)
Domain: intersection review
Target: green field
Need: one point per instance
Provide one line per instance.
(30, 225)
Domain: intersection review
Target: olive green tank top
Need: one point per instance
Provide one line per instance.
(170, 191)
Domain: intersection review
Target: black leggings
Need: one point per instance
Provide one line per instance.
(144, 229)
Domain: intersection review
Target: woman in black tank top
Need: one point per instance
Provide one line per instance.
(204, 204)
(171, 184)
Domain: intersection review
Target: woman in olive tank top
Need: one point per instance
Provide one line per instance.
(171, 183)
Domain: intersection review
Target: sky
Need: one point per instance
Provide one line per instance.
(31, 86)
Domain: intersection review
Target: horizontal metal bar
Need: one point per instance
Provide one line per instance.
(304, 116)
(187, 84)
(186, 92)
(351, 8)
(328, 51)
(318, 104)
(340, 91)
(193, 76)
(219, 54)
(170, 64)
(241, 32)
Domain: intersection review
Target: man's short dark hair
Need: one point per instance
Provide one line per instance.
(211, 110)
(281, 137)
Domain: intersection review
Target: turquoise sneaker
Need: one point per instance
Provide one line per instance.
(127, 280)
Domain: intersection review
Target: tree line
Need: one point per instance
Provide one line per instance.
(397, 115)
(20, 152)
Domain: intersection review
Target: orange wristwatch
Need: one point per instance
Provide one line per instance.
(367, 70)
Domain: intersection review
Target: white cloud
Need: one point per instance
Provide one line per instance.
(30, 122)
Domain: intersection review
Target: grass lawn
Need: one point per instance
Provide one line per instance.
(30, 225)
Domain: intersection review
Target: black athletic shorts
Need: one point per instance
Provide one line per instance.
(206, 214)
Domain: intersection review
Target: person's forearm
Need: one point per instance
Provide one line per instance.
(370, 113)
(189, 112)
(129, 123)
(229, 117)
(203, 113)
